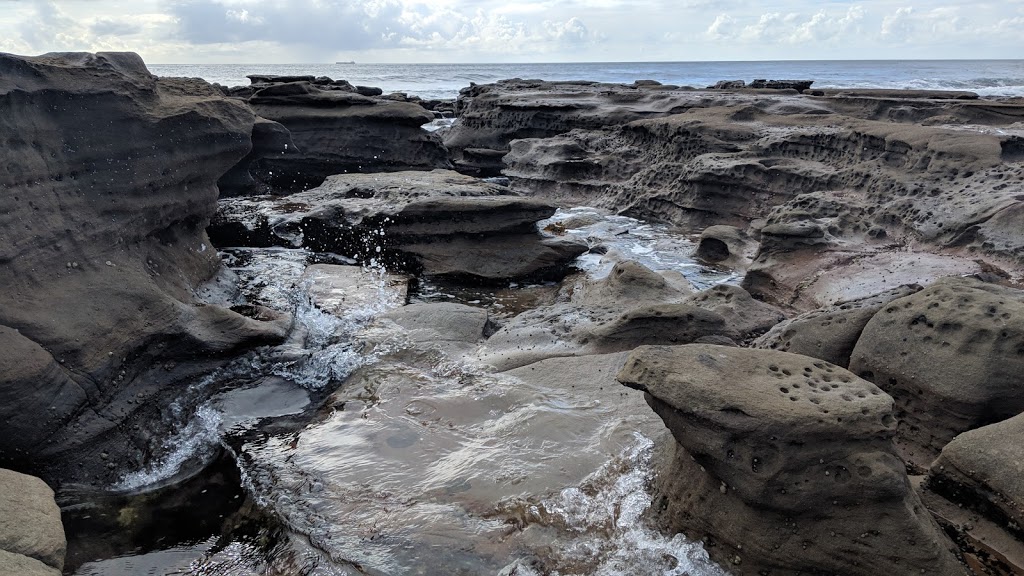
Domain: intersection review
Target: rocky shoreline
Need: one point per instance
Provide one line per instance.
(852, 405)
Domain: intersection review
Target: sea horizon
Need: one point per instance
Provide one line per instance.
(988, 78)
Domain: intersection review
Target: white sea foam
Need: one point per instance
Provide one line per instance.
(197, 439)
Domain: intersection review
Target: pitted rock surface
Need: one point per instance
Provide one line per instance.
(951, 355)
(786, 462)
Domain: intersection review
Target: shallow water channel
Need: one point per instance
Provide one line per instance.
(354, 449)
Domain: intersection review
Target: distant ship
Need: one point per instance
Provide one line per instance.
(349, 62)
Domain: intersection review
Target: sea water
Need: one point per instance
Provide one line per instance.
(989, 78)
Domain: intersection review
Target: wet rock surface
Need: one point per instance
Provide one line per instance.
(786, 462)
(630, 307)
(435, 223)
(104, 250)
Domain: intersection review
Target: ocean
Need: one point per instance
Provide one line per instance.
(989, 78)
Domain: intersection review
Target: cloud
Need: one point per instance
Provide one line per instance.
(114, 27)
(898, 26)
(347, 25)
(789, 28)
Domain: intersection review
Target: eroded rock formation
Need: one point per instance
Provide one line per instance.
(437, 223)
(109, 183)
(786, 462)
(951, 355)
(336, 131)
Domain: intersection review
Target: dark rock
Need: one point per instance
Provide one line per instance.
(729, 85)
(115, 170)
(269, 140)
(255, 79)
(368, 90)
(337, 131)
(433, 223)
(798, 85)
(951, 356)
(785, 462)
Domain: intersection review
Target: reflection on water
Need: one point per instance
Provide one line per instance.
(423, 463)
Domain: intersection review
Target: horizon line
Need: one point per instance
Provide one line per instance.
(355, 63)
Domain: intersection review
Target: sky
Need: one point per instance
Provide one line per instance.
(477, 31)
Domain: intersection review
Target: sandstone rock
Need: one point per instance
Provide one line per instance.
(980, 473)
(434, 223)
(785, 462)
(630, 307)
(829, 333)
(726, 245)
(102, 238)
(566, 328)
(340, 131)
(492, 115)
(24, 566)
(745, 316)
(883, 181)
(269, 140)
(983, 469)
(30, 521)
(443, 323)
(951, 355)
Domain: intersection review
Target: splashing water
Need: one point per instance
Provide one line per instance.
(431, 461)
(196, 440)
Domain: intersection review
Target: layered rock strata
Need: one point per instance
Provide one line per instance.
(437, 223)
(785, 463)
(340, 131)
(104, 200)
(849, 194)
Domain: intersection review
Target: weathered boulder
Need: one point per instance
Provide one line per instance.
(30, 527)
(593, 316)
(981, 475)
(338, 131)
(829, 333)
(110, 181)
(435, 223)
(631, 306)
(785, 462)
(951, 356)
(744, 315)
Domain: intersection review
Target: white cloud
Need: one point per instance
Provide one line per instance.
(515, 30)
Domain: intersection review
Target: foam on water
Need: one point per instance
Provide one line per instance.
(196, 440)
(430, 460)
